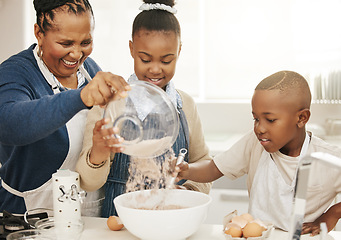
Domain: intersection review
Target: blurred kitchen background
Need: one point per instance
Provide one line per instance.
(228, 46)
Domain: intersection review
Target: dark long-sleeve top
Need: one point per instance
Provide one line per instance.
(33, 135)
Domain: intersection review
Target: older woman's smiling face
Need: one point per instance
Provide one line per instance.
(67, 44)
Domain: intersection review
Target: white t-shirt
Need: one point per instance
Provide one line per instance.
(286, 165)
(324, 182)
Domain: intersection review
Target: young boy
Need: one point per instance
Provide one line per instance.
(270, 155)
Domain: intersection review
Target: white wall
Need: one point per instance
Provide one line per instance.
(218, 118)
(12, 26)
(221, 118)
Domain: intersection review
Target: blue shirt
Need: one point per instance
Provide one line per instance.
(33, 136)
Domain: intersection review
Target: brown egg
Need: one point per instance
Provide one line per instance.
(253, 229)
(114, 223)
(247, 216)
(239, 220)
(234, 230)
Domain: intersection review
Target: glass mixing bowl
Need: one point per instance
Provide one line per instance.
(29, 234)
(147, 120)
(60, 230)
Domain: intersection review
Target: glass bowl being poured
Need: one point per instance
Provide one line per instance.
(146, 119)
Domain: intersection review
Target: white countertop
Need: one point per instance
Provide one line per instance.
(96, 228)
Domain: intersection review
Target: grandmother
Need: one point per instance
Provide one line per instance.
(45, 94)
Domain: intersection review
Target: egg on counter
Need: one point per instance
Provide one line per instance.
(243, 226)
(253, 229)
(234, 230)
(239, 220)
(247, 216)
(114, 223)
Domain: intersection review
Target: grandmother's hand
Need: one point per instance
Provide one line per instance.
(104, 87)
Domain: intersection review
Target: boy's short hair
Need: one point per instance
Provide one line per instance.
(289, 83)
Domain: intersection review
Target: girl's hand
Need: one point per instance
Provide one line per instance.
(104, 142)
(104, 87)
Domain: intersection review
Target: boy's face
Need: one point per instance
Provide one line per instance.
(155, 55)
(275, 122)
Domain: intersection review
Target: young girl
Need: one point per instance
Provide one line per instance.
(155, 48)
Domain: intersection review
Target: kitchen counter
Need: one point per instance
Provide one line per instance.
(96, 228)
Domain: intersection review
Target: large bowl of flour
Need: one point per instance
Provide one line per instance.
(147, 120)
(167, 214)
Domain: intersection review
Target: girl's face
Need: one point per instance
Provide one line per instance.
(67, 44)
(276, 122)
(155, 54)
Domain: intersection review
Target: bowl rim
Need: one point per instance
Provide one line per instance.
(35, 232)
(188, 208)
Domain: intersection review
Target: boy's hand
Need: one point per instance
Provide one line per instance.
(329, 217)
(104, 142)
(181, 171)
(311, 227)
(200, 171)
